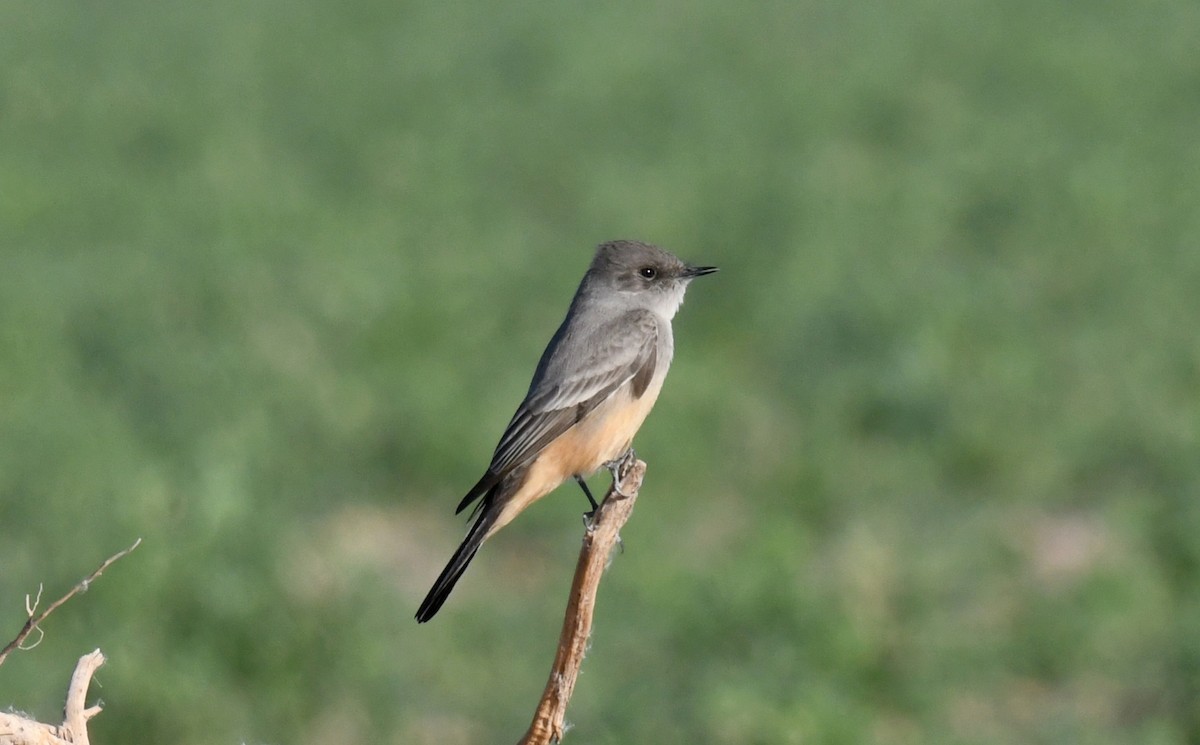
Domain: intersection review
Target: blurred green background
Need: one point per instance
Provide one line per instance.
(274, 276)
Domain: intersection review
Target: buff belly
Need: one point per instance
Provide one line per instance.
(601, 436)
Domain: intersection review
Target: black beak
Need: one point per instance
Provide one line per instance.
(692, 272)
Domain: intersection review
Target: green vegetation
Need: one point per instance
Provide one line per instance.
(274, 275)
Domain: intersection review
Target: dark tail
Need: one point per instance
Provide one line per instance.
(458, 564)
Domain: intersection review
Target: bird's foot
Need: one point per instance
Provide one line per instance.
(623, 462)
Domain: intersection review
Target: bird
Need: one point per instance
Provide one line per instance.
(594, 385)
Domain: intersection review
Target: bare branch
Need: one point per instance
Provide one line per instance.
(17, 730)
(598, 541)
(33, 621)
(76, 714)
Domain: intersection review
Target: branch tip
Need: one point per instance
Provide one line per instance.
(600, 535)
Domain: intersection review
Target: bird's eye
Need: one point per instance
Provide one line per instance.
(648, 272)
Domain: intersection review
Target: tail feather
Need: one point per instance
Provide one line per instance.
(457, 565)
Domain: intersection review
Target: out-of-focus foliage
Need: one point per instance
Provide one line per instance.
(274, 275)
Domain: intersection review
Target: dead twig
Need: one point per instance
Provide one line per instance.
(598, 541)
(31, 608)
(17, 730)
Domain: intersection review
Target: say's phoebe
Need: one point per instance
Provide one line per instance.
(593, 387)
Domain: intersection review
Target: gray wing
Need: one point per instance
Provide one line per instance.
(627, 350)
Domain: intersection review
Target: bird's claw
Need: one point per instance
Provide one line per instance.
(621, 463)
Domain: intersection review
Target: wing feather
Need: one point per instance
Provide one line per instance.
(551, 409)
